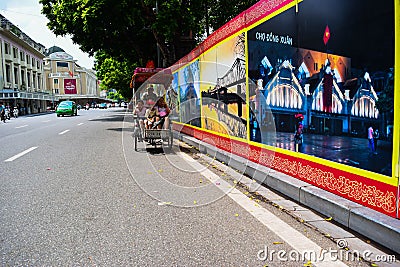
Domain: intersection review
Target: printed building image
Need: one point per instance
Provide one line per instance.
(224, 108)
(311, 71)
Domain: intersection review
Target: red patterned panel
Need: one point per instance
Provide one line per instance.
(363, 190)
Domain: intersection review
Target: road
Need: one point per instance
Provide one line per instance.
(75, 193)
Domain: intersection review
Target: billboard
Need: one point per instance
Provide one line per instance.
(308, 92)
(70, 86)
(223, 88)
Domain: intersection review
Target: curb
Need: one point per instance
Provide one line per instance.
(376, 226)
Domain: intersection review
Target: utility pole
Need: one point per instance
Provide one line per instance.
(155, 10)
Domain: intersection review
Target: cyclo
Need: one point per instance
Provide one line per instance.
(150, 111)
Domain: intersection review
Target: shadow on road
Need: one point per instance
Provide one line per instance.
(112, 118)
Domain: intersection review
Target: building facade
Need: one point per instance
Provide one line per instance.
(67, 80)
(22, 82)
(34, 79)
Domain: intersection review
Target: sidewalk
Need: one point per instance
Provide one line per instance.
(373, 225)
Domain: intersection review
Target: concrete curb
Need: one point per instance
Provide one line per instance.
(378, 227)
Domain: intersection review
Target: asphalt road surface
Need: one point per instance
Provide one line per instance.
(75, 193)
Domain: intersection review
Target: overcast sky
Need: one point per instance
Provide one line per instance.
(26, 15)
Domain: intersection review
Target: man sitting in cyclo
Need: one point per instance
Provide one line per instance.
(149, 97)
(158, 115)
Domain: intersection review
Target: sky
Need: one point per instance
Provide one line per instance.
(26, 15)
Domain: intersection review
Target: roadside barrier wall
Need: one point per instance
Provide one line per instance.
(282, 63)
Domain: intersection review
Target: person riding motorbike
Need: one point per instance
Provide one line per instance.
(7, 113)
(15, 112)
(3, 114)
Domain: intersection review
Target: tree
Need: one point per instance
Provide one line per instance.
(125, 28)
(133, 29)
(221, 11)
(385, 101)
(114, 73)
(124, 34)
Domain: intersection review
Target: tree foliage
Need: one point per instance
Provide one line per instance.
(222, 11)
(385, 103)
(133, 28)
(125, 33)
(115, 96)
(114, 74)
(125, 28)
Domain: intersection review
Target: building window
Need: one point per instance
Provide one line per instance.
(16, 75)
(39, 80)
(55, 81)
(29, 79)
(22, 56)
(23, 77)
(8, 73)
(62, 64)
(15, 52)
(7, 48)
(56, 91)
(28, 59)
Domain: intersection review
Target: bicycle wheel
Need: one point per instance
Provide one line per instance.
(135, 142)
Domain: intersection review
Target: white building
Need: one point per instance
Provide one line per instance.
(34, 78)
(67, 80)
(22, 80)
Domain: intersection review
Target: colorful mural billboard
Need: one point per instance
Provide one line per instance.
(223, 88)
(305, 91)
(189, 94)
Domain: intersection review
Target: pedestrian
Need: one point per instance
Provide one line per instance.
(3, 113)
(376, 137)
(371, 139)
(298, 135)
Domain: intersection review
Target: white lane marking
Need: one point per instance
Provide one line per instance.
(63, 132)
(80, 123)
(21, 154)
(22, 126)
(289, 235)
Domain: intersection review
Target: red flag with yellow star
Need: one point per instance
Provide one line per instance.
(327, 35)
